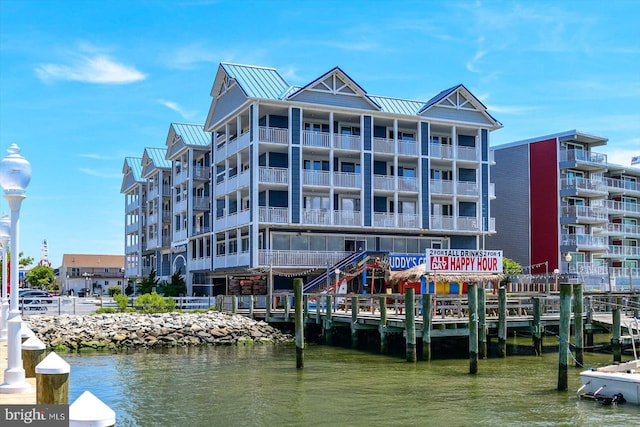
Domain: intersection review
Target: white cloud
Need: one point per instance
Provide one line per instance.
(178, 109)
(94, 156)
(100, 174)
(99, 69)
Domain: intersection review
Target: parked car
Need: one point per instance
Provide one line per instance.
(84, 292)
(34, 299)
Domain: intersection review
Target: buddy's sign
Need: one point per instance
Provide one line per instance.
(463, 261)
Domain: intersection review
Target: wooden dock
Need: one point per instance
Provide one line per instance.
(28, 398)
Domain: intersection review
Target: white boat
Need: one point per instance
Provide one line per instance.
(617, 383)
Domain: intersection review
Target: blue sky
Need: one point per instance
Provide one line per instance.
(85, 83)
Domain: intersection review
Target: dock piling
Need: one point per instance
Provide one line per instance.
(616, 331)
(354, 321)
(328, 323)
(502, 322)
(565, 330)
(383, 324)
(537, 326)
(297, 289)
(427, 320)
(482, 323)
(410, 324)
(473, 328)
(578, 321)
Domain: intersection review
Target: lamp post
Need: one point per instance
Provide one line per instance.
(5, 229)
(568, 258)
(15, 174)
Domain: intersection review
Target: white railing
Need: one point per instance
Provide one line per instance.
(585, 212)
(180, 177)
(316, 139)
(441, 222)
(620, 250)
(583, 156)
(585, 241)
(273, 215)
(316, 217)
(347, 218)
(201, 229)
(584, 184)
(467, 188)
(492, 224)
(624, 272)
(384, 219)
(467, 223)
(622, 229)
(407, 183)
(409, 148)
(202, 203)
(347, 142)
(384, 145)
(383, 182)
(440, 150)
(467, 153)
(300, 258)
(441, 186)
(408, 221)
(320, 178)
(273, 175)
(277, 135)
(621, 185)
(131, 206)
(614, 206)
(346, 179)
(201, 172)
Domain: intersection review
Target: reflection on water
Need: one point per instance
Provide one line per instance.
(259, 386)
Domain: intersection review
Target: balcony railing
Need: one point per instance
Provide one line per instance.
(299, 258)
(320, 178)
(384, 219)
(316, 216)
(441, 151)
(441, 222)
(277, 135)
(624, 271)
(583, 156)
(383, 182)
(441, 186)
(347, 142)
(627, 230)
(316, 139)
(467, 188)
(614, 206)
(346, 179)
(201, 172)
(622, 186)
(587, 213)
(468, 153)
(130, 228)
(202, 203)
(585, 241)
(269, 175)
(408, 221)
(407, 183)
(620, 250)
(468, 223)
(384, 145)
(347, 218)
(409, 148)
(595, 186)
(273, 215)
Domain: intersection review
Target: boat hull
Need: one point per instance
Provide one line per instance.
(605, 385)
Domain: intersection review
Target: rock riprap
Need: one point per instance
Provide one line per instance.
(136, 330)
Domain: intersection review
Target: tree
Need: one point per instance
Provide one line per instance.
(510, 268)
(41, 277)
(148, 283)
(176, 287)
(23, 261)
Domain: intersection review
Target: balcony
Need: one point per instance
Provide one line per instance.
(624, 272)
(383, 182)
(407, 183)
(441, 186)
(199, 264)
(316, 139)
(582, 159)
(441, 222)
(622, 230)
(132, 227)
(384, 145)
(132, 206)
(583, 187)
(408, 221)
(347, 218)
(407, 148)
(467, 188)
(273, 215)
(305, 259)
(181, 176)
(316, 217)
(318, 178)
(467, 223)
(441, 151)
(492, 190)
(201, 173)
(620, 251)
(180, 235)
(275, 135)
(269, 175)
(585, 242)
(384, 219)
(201, 229)
(347, 142)
(202, 203)
(346, 180)
(468, 153)
(583, 215)
(622, 208)
(623, 187)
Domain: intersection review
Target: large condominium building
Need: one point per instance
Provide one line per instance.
(560, 202)
(294, 179)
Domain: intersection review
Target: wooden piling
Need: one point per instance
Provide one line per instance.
(635, 303)
(299, 322)
(382, 328)
(328, 322)
(502, 322)
(354, 321)
(588, 308)
(33, 352)
(410, 324)
(473, 328)
(565, 326)
(251, 304)
(287, 307)
(482, 323)
(536, 332)
(427, 321)
(267, 314)
(52, 381)
(234, 304)
(578, 322)
(616, 331)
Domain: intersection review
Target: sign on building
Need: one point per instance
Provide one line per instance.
(463, 261)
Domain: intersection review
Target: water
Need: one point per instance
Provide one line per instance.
(259, 386)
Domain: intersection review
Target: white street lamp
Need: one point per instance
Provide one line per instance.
(568, 258)
(5, 229)
(15, 174)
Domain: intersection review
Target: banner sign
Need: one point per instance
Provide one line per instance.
(463, 261)
(405, 261)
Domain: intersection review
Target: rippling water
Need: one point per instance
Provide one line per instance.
(259, 386)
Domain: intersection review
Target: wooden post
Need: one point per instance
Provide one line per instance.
(578, 322)
(89, 411)
(383, 324)
(234, 304)
(410, 324)
(328, 322)
(52, 381)
(219, 303)
(537, 326)
(427, 320)
(502, 322)
(565, 329)
(305, 317)
(354, 321)
(299, 322)
(251, 304)
(616, 331)
(482, 325)
(268, 308)
(588, 308)
(473, 328)
(33, 352)
(287, 307)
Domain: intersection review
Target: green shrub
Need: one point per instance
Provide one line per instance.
(122, 301)
(150, 303)
(114, 290)
(103, 310)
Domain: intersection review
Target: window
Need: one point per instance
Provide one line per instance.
(350, 130)
(316, 202)
(438, 139)
(408, 172)
(350, 204)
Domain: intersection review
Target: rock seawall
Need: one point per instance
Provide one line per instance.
(134, 330)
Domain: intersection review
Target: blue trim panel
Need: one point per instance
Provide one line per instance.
(426, 209)
(485, 197)
(295, 126)
(368, 189)
(367, 132)
(251, 112)
(252, 242)
(484, 136)
(424, 140)
(295, 185)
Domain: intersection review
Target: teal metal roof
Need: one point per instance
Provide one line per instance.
(257, 82)
(158, 157)
(397, 105)
(192, 134)
(135, 164)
